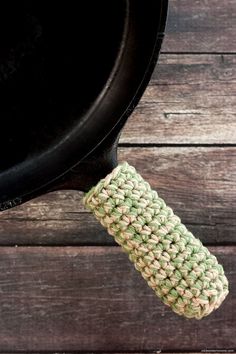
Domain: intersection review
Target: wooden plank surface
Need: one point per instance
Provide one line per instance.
(201, 26)
(191, 99)
(92, 299)
(199, 183)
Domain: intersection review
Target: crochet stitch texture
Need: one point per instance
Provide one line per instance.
(175, 264)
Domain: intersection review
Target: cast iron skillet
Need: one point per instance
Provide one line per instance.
(70, 75)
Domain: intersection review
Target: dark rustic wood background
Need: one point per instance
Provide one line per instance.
(64, 285)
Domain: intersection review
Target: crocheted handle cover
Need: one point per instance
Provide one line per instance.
(176, 265)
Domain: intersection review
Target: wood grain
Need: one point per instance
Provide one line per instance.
(201, 26)
(191, 99)
(198, 183)
(92, 299)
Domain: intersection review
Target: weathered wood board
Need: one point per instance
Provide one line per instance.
(201, 26)
(92, 299)
(199, 183)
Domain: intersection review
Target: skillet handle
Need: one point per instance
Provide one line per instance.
(175, 264)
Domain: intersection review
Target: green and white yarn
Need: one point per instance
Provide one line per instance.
(176, 265)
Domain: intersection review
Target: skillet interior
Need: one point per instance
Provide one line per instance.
(55, 58)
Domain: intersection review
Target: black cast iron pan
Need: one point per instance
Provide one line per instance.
(70, 75)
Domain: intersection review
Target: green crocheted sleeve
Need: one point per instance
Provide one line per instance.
(175, 264)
